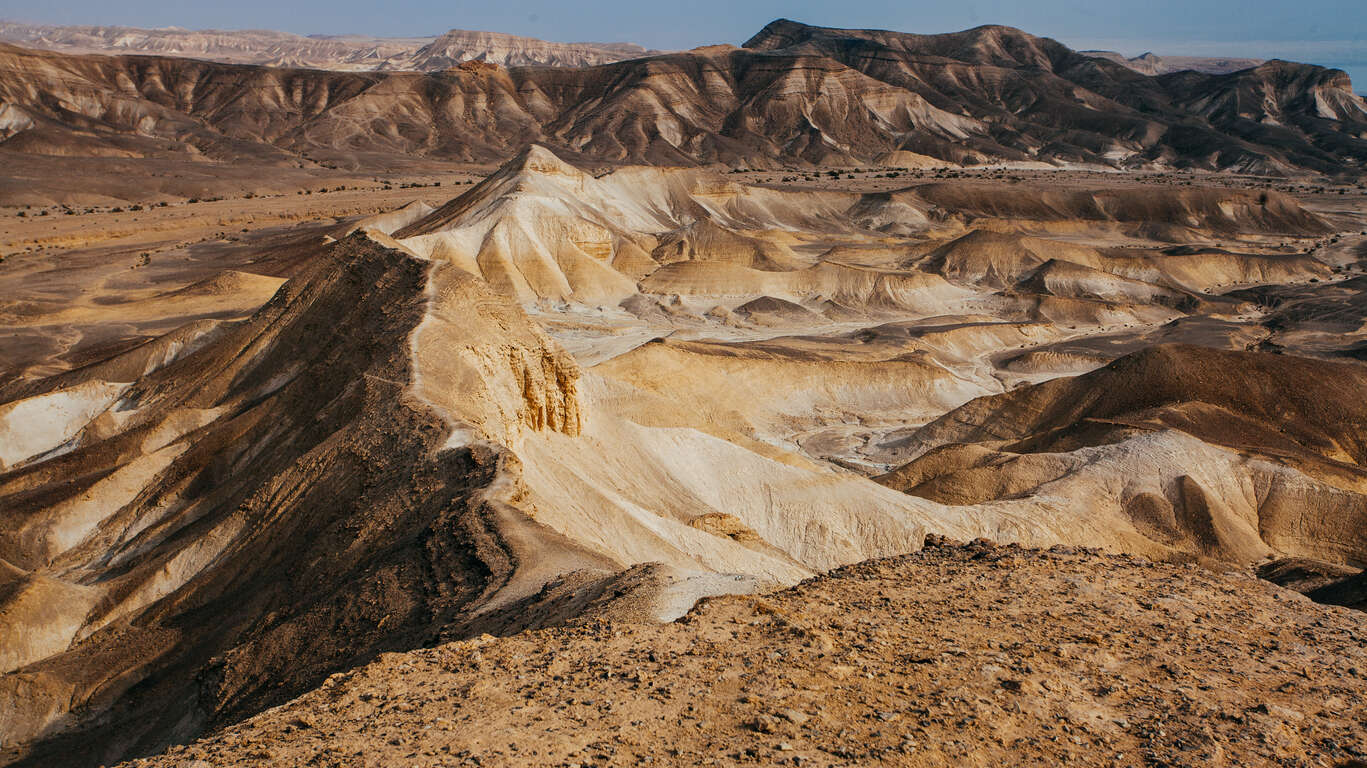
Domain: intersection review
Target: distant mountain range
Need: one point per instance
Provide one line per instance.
(794, 94)
(424, 54)
(1153, 64)
(338, 52)
(512, 51)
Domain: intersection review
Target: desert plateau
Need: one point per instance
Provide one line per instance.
(846, 397)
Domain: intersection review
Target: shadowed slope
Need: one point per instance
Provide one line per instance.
(1076, 107)
(1281, 403)
(1214, 453)
(281, 502)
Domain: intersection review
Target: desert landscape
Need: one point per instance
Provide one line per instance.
(848, 397)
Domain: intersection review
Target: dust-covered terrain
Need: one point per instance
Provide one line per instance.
(258, 439)
(953, 656)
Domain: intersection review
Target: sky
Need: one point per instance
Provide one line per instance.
(1329, 32)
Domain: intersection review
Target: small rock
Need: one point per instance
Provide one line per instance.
(1284, 714)
(764, 724)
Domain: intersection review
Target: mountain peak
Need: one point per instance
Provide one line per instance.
(777, 34)
(536, 158)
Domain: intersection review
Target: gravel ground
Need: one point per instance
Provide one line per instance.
(963, 655)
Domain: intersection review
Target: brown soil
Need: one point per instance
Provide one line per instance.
(958, 655)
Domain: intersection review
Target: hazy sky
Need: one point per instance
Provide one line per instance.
(1332, 32)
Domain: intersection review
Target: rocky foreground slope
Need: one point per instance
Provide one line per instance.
(795, 94)
(958, 655)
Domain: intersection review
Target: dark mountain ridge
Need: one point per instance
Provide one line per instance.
(795, 95)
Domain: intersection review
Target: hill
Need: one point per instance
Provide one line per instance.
(794, 95)
(1216, 453)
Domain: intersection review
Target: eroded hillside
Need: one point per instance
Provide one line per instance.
(794, 95)
(563, 394)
